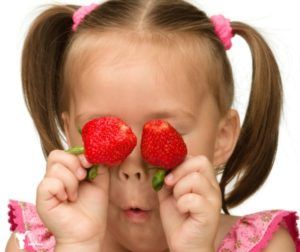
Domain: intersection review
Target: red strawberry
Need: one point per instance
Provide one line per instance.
(107, 141)
(162, 146)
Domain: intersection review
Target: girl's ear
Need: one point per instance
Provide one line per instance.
(227, 136)
(66, 119)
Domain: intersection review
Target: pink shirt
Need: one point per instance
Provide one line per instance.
(251, 232)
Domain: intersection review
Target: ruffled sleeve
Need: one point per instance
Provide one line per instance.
(253, 232)
(25, 222)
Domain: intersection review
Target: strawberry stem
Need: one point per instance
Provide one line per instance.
(77, 150)
(158, 179)
(91, 172)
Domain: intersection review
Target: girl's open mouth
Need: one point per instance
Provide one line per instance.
(137, 215)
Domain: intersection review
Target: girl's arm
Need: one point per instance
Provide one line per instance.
(281, 241)
(12, 244)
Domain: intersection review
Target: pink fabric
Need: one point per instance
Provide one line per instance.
(80, 14)
(250, 233)
(24, 219)
(223, 29)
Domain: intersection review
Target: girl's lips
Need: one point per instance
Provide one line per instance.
(137, 215)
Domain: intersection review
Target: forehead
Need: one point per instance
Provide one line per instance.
(120, 74)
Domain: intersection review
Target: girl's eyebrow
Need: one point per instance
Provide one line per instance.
(172, 113)
(156, 114)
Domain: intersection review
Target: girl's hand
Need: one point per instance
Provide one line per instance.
(190, 212)
(73, 210)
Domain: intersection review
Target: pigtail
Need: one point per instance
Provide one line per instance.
(254, 154)
(42, 54)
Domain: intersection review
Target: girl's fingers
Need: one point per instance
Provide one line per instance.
(70, 161)
(67, 178)
(199, 164)
(83, 161)
(164, 193)
(192, 203)
(194, 183)
(49, 193)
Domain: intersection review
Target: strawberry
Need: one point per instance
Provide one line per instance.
(107, 141)
(162, 146)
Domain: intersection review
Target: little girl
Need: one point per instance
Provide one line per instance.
(140, 60)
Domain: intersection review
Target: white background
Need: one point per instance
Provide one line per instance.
(22, 162)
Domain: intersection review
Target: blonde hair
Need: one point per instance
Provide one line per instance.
(50, 40)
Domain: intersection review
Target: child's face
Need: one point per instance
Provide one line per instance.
(140, 84)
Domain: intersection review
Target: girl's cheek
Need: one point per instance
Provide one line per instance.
(76, 139)
(197, 144)
(187, 136)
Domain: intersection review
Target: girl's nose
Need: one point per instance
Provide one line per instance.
(133, 168)
(132, 173)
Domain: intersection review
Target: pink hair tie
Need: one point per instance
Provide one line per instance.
(223, 29)
(80, 14)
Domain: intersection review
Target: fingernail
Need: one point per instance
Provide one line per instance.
(80, 173)
(84, 160)
(169, 178)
